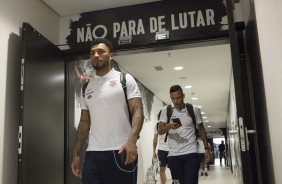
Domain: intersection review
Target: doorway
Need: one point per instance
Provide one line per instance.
(207, 67)
(216, 143)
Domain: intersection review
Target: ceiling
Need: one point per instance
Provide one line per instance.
(207, 68)
(74, 7)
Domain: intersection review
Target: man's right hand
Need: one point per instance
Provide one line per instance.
(154, 155)
(173, 125)
(75, 166)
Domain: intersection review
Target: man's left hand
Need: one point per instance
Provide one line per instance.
(131, 151)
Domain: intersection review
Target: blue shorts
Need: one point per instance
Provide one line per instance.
(185, 168)
(105, 167)
(162, 156)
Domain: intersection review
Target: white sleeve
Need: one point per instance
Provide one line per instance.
(163, 116)
(198, 115)
(82, 101)
(132, 87)
(155, 129)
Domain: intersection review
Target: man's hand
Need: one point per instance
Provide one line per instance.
(207, 155)
(154, 155)
(131, 151)
(75, 166)
(173, 126)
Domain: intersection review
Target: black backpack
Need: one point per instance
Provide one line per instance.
(190, 110)
(123, 83)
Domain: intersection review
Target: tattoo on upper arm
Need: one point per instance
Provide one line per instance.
(84, 125)
(85, 116)
(135, 105)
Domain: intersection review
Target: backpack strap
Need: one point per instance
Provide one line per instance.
(158, 126)
(168, 114)
(123, 84)
(84, 88)
(191, 112)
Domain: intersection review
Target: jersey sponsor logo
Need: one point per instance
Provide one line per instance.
(88, 94)
(113, 83)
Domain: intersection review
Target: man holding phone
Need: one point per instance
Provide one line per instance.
(176, 120)
(183, 158)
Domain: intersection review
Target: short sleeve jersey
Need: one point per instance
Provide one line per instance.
(201, 147)
(105, 100)
(182, 140)
(162, 145)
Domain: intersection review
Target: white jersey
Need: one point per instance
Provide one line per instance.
(182, 140)
(201, 147)
(105, 100)
(162, 145)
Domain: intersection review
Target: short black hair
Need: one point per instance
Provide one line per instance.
(175, 88)
(104, 41)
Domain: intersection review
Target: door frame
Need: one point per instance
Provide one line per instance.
(244, 100)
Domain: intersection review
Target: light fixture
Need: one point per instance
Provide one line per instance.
(209, 126)
(178, 68)
(123, 40)
(188, 87)
(162, 35)
(194, 98)
(204, 117)
(202, 112)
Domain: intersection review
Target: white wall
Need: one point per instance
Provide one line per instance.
(269, 15)
(12, 14)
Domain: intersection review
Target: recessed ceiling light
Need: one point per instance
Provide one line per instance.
(199, 106)
(158, 68)
(209, 126)
(178, 68)
(194, 98)
(204, 117)
(188, 87)
(202, 112)
(206, 121)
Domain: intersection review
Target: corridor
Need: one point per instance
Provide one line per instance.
(217, 175)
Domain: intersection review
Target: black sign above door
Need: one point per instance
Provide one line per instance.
(150, 24)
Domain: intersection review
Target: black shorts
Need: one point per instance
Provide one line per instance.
(185, 168)
(106, 167)
(162, 155)
(202, 155)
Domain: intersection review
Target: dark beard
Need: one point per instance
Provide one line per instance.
(101, 66)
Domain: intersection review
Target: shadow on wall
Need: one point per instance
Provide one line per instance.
(12, 111)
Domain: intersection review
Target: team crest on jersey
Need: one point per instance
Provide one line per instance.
(113, 83)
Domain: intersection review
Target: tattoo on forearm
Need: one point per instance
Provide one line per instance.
(136, 108)
(82, 135)
(82, 131)
(202, 134)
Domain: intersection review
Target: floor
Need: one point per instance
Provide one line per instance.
(217, 175)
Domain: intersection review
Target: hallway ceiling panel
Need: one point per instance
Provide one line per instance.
(74, 7)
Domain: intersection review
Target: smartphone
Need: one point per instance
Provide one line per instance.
(176, 120)
(123, 156)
